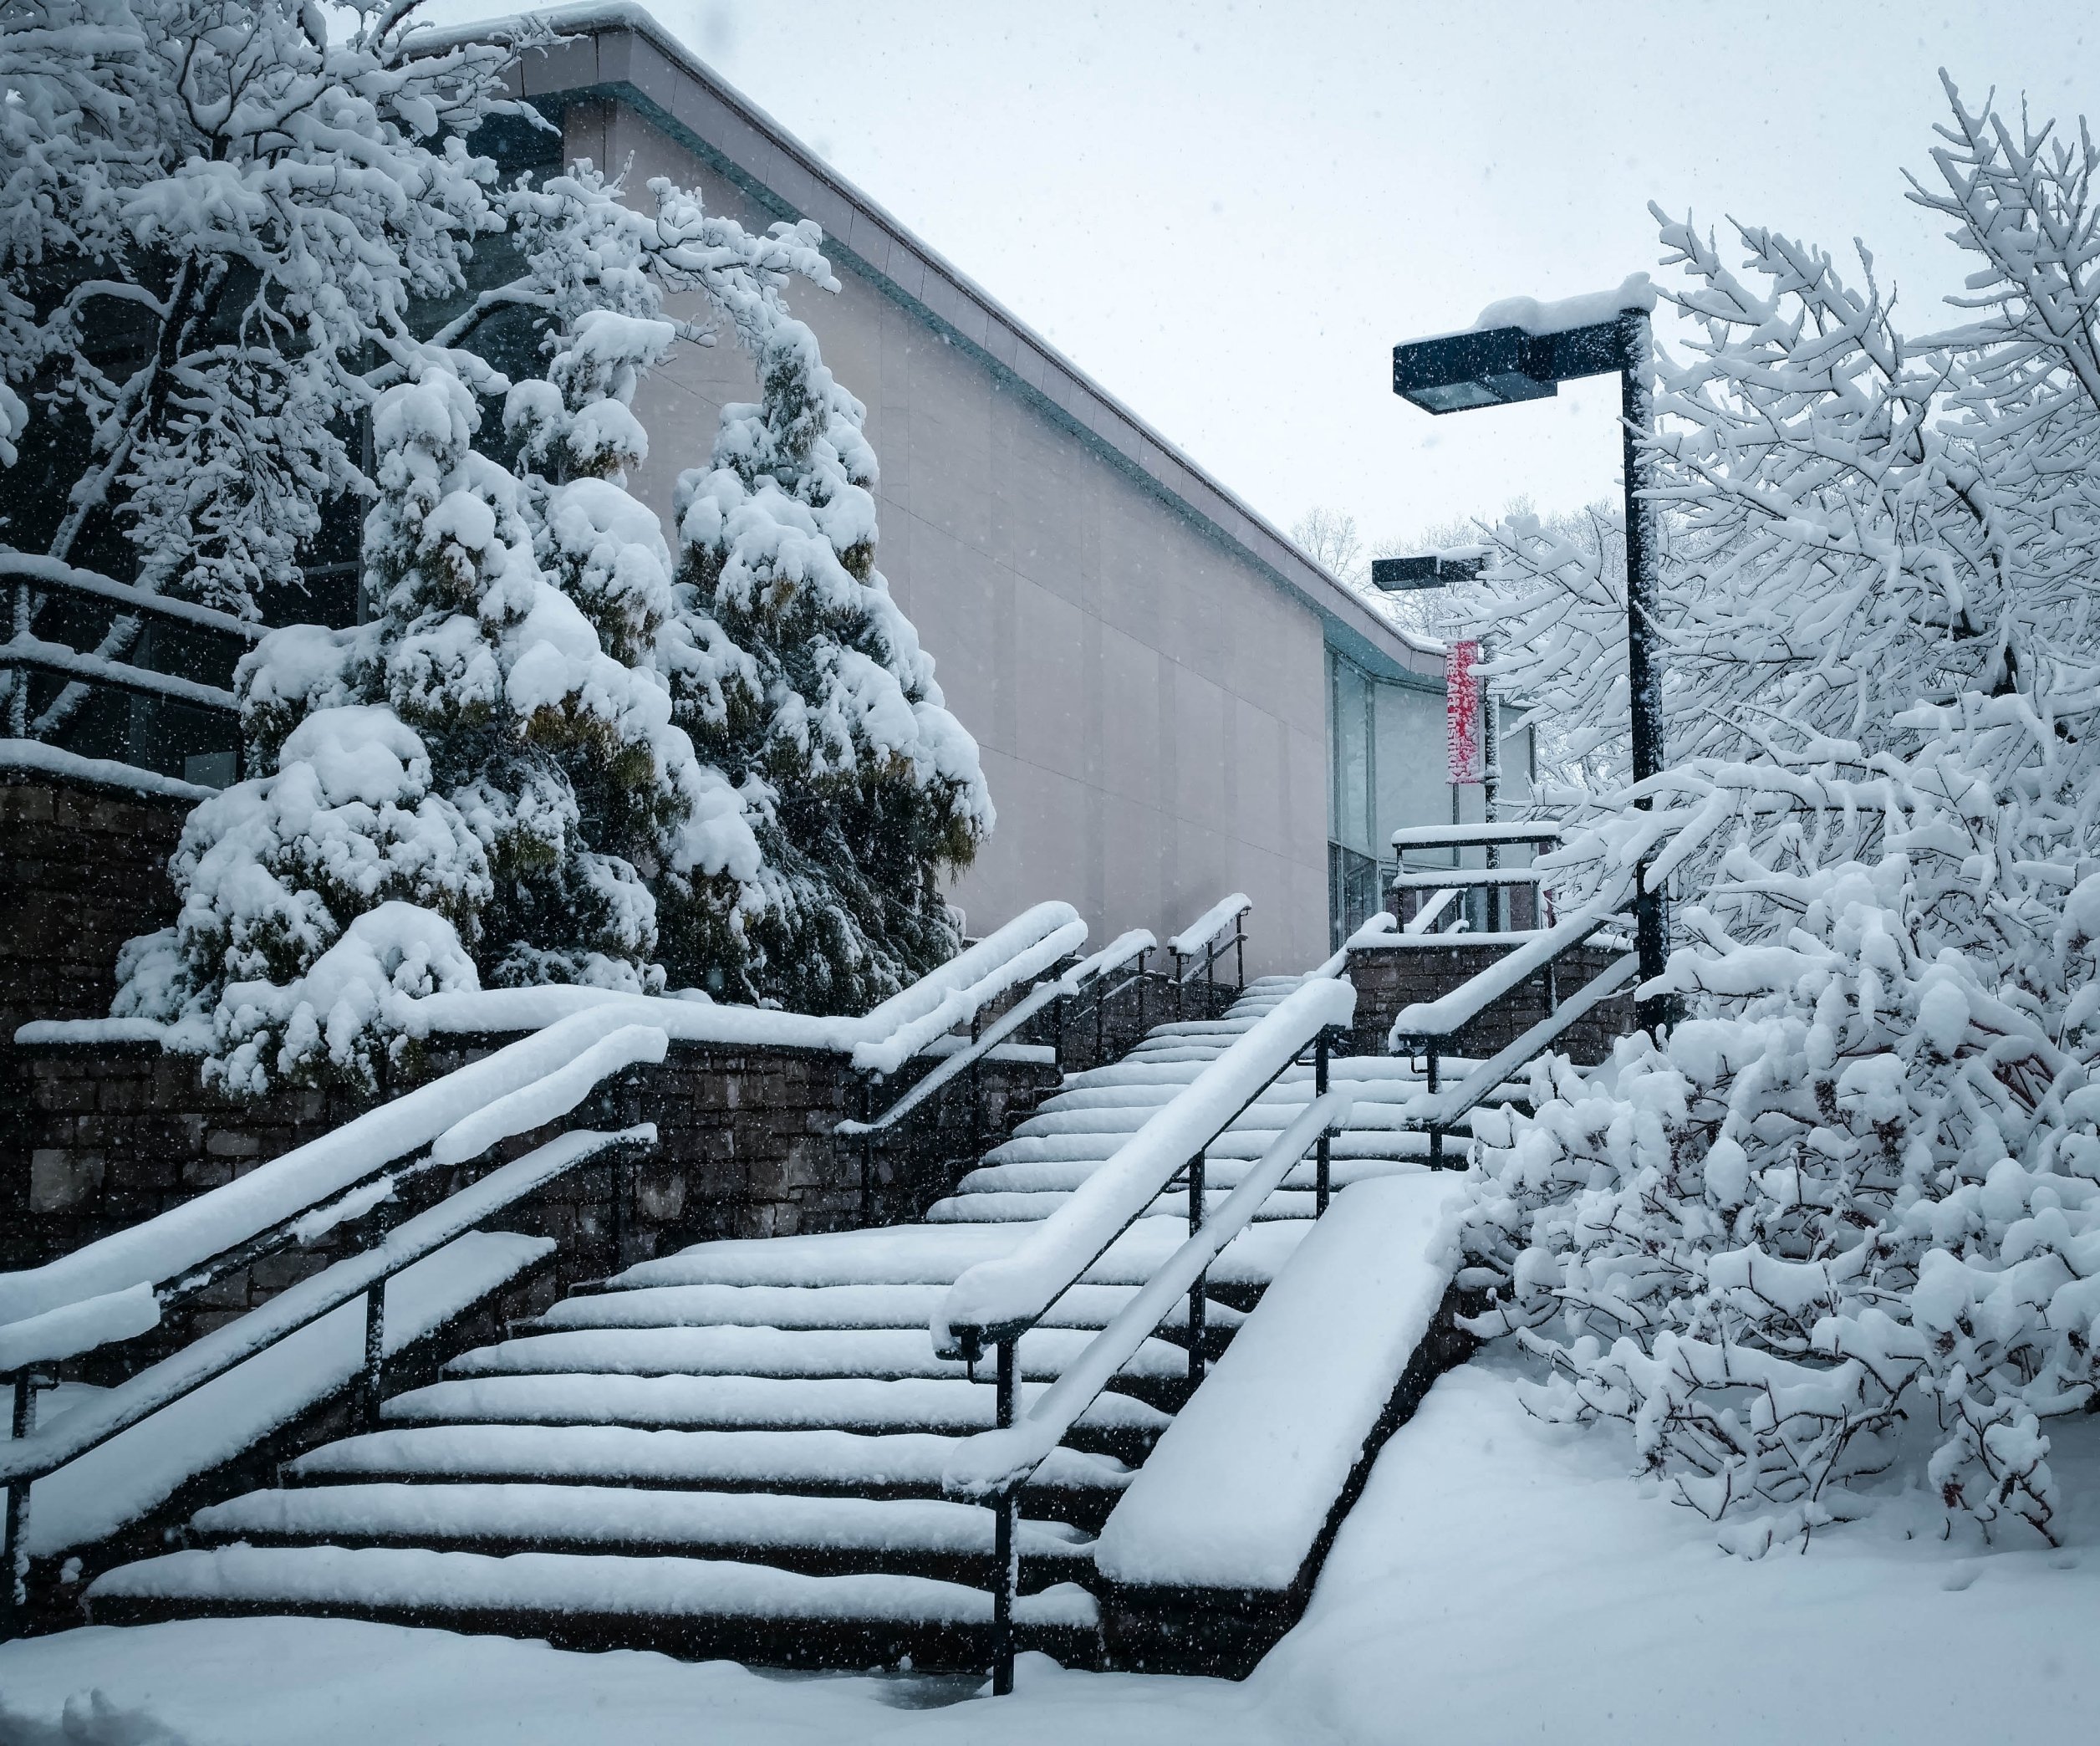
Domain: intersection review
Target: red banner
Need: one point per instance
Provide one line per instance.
(1462, 747)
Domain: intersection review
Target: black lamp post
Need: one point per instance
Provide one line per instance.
(1498, 366)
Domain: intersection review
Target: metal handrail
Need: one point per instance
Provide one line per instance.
(1132, 947)
(1519, 831)
(1426, 1027)
(31, 576)
(1450, 1013)
(1056, 987)
(1092, 983)
(1316, 1134)
(34, 1455)
(186, 1245)
(1213, 949)
(30, 571)
(1494, 838)
(1441, 1110)
(50, 658)
(1430, 879)
(1424, 919)
(996, 1460)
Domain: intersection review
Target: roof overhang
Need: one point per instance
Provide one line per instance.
(620, 52)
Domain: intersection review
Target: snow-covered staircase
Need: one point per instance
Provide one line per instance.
(738, 1449)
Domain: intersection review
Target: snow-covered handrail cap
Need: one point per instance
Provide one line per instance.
(1212, 922)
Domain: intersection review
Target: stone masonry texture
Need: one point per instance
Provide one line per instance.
(1390, 977)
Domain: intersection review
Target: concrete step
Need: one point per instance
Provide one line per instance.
(837, 1307)
(694, 1607)
(1079, 1488)
(818, 1536)
(1116, 1424)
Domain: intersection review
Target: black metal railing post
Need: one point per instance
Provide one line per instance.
(1005, 1551)
(867, 1150)
(373, 1384)
(1436, 1134)
(1195, 1291)
(1325, 1153)
(14, 1615)
(1239, 950)
(976, 1091)
(1101, 1012)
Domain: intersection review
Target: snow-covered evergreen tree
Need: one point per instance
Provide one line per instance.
(468, 784)
(1844, 1216)
(483, 783)
(802, 680)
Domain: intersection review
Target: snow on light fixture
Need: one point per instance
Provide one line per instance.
(1523, 350)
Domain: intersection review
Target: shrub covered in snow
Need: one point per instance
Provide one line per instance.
(1854, 1200)
(1862, 1188)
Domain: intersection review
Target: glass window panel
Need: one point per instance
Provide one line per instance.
(1350, 695)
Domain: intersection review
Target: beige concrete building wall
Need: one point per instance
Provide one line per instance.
(1142, 662)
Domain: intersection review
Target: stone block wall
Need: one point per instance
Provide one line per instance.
(82, 870)
(1391, 976)
(98, 1138)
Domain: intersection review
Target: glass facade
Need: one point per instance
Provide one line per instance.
(1386, 768)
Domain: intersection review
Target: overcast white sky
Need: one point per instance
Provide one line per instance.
(1227, 213)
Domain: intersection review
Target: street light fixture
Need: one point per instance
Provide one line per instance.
(1528, 358)
(1439, 570)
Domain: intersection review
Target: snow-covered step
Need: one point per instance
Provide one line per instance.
(1244, 1144)
(1348, 1163)
(803, 1306)
(928, 1253)
(882, 1354)
(1284, 1206)
(1378, 1102)
(920, 1536)
(122, 1481)
(738, 1449)
(1116, 1422)
(692, 1605)
(835, 1462)
(890, 1255)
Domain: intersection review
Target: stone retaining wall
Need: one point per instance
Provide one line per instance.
(1389, 976)
(100, 1138)
(82, 870)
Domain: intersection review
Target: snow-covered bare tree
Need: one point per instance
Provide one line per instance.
(1850, 1203)
(212, 218)
(1329, 538)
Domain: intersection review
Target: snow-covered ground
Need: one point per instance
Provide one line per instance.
(1502, 1580)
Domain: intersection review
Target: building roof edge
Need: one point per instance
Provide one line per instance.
(1351, 620)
